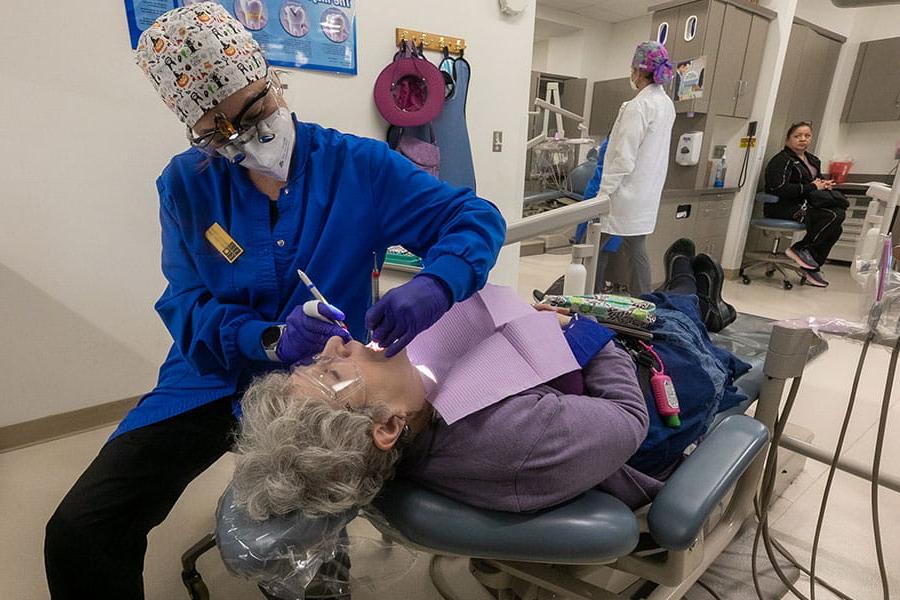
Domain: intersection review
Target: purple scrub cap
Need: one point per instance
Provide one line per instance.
(653, 58)
(196, 56)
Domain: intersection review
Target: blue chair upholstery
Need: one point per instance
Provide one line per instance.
(593, 528)
(776, 224)
(682, 507)
(581, 175)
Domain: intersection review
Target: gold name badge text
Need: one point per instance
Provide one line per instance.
(223, 242)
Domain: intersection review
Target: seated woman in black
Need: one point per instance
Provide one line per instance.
(793, 175)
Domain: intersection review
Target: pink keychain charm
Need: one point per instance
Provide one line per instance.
(663, 391)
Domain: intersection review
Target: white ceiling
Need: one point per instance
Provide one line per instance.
(544, 30)
(611, 11)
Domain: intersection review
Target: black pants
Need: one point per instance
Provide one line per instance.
(823, 227)
(96, 540)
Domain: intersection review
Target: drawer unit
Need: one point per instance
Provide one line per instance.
(701, 217)
(845, 249)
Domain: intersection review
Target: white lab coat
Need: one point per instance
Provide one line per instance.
(636, 162)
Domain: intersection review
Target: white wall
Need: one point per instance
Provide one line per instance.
(870, 144)
(626, 35)
(597, 51)
(539, 53)
(763, 107)
(85, 136)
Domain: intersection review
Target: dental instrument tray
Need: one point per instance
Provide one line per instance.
(398, 255)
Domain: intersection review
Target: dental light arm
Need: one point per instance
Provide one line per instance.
(541, 103)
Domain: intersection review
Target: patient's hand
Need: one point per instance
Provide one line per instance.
(562, 317)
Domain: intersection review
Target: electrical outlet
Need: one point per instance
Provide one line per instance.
(498, 141)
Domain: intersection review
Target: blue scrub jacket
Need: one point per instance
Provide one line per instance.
(346, 197)
(592, 188)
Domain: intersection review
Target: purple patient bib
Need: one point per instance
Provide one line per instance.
(488, 348)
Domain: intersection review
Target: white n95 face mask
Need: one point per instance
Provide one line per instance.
(273, 157)
(632, 83)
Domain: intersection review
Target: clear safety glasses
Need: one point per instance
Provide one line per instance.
(337, 378)
(227, 135)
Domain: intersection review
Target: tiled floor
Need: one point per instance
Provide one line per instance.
(32, 480)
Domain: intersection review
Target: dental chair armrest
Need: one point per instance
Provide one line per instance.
(683, 505)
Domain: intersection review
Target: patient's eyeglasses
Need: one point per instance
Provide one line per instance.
(338, 378)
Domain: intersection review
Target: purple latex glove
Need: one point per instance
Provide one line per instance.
(305, 336)
(406, 311)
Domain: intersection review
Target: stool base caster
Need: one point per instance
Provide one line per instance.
(788, 285)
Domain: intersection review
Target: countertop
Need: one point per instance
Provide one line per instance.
(683, 193)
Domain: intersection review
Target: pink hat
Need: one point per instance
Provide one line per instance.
(409, 92)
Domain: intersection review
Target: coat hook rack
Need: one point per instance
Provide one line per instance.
(430, 41)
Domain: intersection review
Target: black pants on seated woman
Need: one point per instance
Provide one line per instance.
(795, 176)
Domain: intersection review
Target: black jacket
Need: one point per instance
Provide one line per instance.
(789, 179)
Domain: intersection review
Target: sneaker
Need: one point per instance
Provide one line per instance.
(802, 257)
(715, 312)
(815, 279)
(680, 247)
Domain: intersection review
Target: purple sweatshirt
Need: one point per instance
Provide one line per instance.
(541, 447)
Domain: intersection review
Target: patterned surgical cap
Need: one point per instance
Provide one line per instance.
(653, 58)
(196, 56)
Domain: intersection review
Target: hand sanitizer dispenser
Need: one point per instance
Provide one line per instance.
(687, 152)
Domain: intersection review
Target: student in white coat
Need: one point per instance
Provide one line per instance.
(634, 171)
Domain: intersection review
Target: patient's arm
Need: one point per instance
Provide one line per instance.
(589, 437)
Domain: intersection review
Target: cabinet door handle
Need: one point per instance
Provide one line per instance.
(737, 90)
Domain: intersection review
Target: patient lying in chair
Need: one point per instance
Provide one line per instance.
(496, 405)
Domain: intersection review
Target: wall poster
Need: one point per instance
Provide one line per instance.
(689, 79)
(305, 34)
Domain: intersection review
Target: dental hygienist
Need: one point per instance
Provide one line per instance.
(257, 197)
(634, 171)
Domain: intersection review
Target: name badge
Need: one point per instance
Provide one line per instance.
(223, 242)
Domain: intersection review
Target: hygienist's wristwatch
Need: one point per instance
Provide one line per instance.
(270, 338)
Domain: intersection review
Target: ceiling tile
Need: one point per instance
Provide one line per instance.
(569, 5)
(611, 11)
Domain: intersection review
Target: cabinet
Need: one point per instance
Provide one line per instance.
(700, 217)
(738, 62)
(806, 79)
(731, 35)
(606, 101)
(845, 248)
(874, 92)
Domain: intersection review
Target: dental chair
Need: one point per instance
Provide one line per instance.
(657, 552)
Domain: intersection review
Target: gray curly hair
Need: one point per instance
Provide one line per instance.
(296, 452)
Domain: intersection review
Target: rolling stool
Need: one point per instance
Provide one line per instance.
(775, 260)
